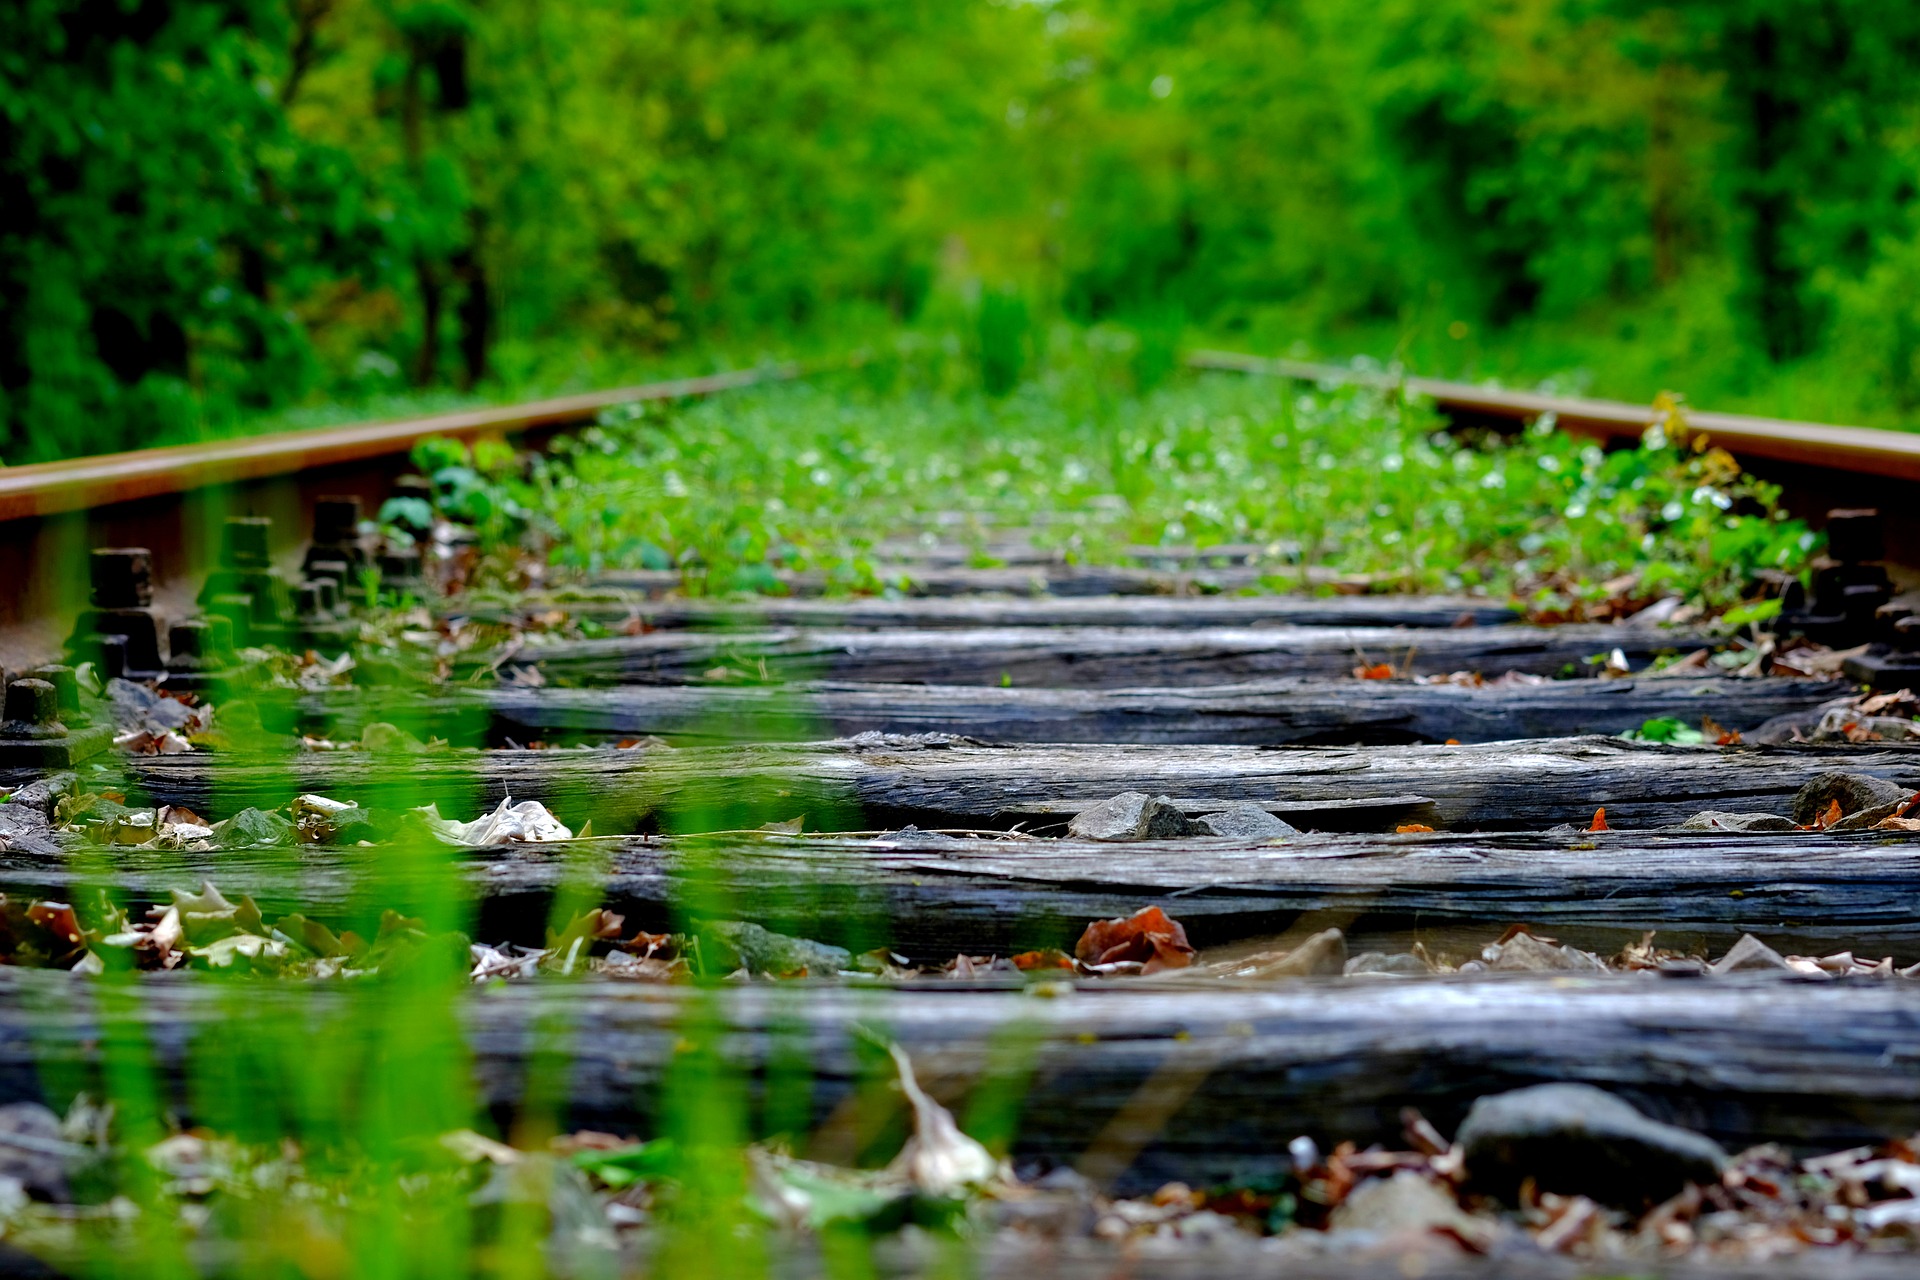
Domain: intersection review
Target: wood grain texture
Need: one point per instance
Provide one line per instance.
(1219, 1079)
(1091, 657)
(919, 579)
(1258, 713)
(886, 783)
(1800, 892)
(961, 612)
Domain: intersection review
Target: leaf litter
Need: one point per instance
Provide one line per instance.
(609, 1196)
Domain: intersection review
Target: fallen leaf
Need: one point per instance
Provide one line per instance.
(939, 1160)
(1515, 930)
(1718, 734)
(1831, 815)
(57, 918)
(1027, 961)
(1599, 822)
(1147, 936)
(472, 1148)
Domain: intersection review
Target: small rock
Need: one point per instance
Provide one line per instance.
(1131, 815)
(1245, 820)
(875, 740)
(1750, 955)
(25, 829)
(1525, 953)
(761, 950)
(1574, 1139)
(33, 1152)
(1854, 791)
(912, 837)
(1404, 962)
(1867, 819)
(43, 794)
(1844, 723)
(1404, 1202)
(252, 828)
(537, 1181)
(1324, 955)
(1720, 820)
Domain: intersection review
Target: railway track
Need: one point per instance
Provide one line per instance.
(1413, 860)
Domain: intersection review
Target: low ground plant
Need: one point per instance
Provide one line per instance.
(1329, 488)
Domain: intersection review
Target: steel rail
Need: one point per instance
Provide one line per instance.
(79, 484)
(1868, 451)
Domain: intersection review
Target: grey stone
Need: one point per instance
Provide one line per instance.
(252, 828)
(1131, 815)
(1574, 1139)
(1324, 955)
(33, 1152)
(760, 950)
(1246, 820)
(43, 793)
(1404, 962)
(911, 837)
(1404, 1202)
(536, 1181)
(1854, 791)
(25, 829)
(1750, 955)
(1720, 820)
(876, 740)
(1867, 819)
(1525, 953)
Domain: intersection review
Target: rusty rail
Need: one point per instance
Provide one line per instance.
(1865, 451)
(79, 484)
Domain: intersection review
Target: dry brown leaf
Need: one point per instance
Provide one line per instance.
(1718, 734)
(1826, 819)
(1148, 936)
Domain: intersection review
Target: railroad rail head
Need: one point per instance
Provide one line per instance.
(173, 499)
(1820, 467)
(51, 488)
(1868, 451)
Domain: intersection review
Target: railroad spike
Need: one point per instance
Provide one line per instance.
(1850, 584)
(200, 655)
(121, 581)
(32, 735)
(338, 550)
(246, 588)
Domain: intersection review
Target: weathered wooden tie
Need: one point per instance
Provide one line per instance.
(1258, 713)
(1088, 657)
(961, 612)
(884, 782)
(1137, 1082)
(932, 898)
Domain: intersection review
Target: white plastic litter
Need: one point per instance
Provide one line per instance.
(528, 822)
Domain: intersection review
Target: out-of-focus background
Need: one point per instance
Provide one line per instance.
(228, 215)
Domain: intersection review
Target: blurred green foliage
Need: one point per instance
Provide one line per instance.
(215, 210)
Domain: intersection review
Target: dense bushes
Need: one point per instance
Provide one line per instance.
(209, 208)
